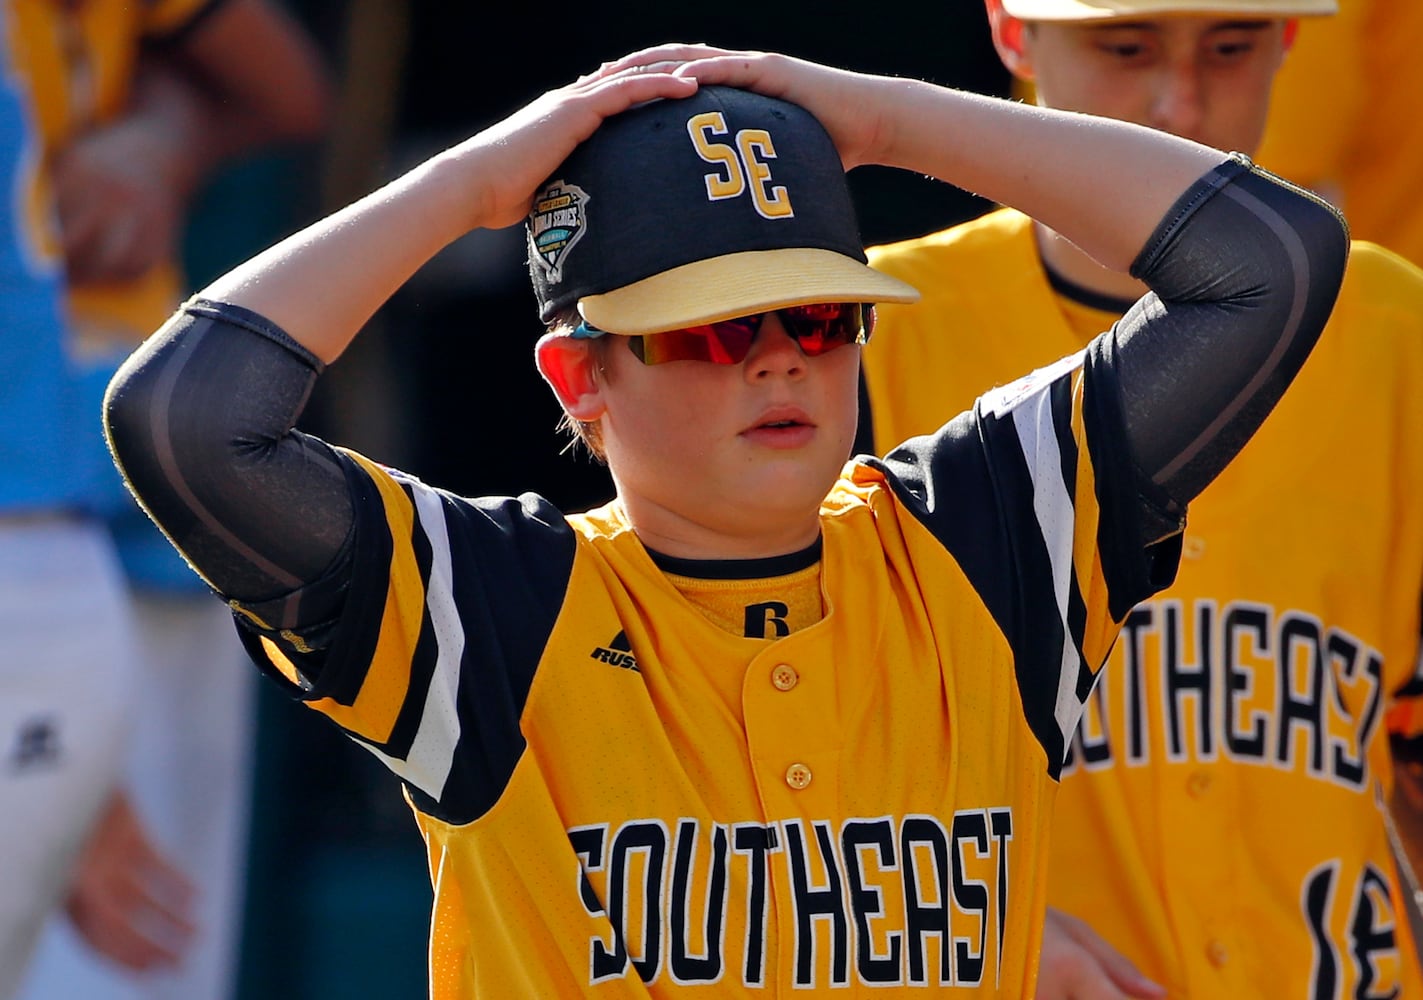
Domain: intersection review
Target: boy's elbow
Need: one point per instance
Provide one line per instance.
(1324, 234)
(122, 414)
(1302, 248)
(1332, 241)
(1319, 230)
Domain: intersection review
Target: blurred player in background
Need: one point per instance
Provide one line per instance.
(1344, 118)
(68, 670)
(137, 104)
(1220, 821)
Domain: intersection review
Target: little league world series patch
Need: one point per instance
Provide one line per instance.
(556, 223)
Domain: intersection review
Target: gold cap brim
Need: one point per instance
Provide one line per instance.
(738, 284)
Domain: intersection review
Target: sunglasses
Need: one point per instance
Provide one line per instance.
(817, 329)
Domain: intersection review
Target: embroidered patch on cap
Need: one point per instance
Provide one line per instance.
(556, 223)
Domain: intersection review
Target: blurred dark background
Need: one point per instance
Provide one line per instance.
(442, 383)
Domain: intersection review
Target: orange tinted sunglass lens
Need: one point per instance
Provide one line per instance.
(816, 328)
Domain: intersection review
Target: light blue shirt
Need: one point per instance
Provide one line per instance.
(39, 401)
(52, 451)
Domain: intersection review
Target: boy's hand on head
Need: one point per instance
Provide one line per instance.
(842, 100)
(1077, 964)
(519, 153)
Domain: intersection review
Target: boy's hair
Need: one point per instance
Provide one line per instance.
(588, 433)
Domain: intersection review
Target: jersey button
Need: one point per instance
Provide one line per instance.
(1198, 784)
(784, 677)
(1217, 954)
(1193, 547)
(798, 776)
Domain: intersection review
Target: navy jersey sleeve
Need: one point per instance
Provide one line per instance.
(1033, 494)
(448, 607)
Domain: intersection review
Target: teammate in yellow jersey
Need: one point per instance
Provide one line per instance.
(1220, 820)
(769, 722)
(1344, 121)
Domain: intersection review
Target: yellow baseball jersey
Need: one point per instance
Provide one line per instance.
(623, 798)
(1218, 820)
(1344, 118)
(79, 58)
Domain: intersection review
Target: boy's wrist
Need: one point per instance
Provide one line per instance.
(459, 190)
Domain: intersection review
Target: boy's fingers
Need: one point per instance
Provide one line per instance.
(1079, 964)
(672, 53)
(1116, 970)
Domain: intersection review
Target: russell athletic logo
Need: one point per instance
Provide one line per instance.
(617, 653)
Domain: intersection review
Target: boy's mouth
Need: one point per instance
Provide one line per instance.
(781, 427)
(782, 417)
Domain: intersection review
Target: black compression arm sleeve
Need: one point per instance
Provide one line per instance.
(1201, 360)
(201, 421)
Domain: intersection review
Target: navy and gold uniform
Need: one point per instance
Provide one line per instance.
(617, 793)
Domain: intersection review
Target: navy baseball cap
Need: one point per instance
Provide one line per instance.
(687, 211)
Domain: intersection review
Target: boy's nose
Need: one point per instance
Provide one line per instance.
(773, 351)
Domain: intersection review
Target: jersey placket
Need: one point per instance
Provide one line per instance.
(793, 735)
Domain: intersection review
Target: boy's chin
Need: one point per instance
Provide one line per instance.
(791, 487)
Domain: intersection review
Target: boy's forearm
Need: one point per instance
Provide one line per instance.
(1103, 184)
(1246, 267)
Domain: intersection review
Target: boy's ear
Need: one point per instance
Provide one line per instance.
(569, 366)
(1008, 34)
